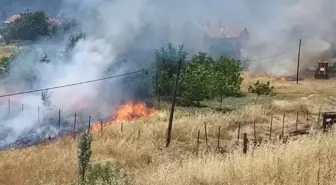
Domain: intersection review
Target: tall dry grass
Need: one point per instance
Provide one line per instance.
(145, 157)
(307, 161)
(147, 161)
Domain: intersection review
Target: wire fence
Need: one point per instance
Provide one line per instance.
(53, 122)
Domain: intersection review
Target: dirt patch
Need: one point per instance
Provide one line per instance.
(6, 50)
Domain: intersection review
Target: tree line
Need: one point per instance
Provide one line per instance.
(202, 77)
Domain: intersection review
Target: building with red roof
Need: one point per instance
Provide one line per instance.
(217, 39)
(13, 18)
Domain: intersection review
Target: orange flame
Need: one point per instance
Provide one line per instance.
(97, 126)
(126, 112)
(131, 110)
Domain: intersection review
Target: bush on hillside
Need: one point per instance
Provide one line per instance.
(102, 174)
(261, 88)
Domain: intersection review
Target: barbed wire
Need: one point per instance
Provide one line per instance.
(115, 76)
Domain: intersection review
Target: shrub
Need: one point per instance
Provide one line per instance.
(84, 153)
(99, 174)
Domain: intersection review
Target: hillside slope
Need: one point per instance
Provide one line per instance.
(139, 146)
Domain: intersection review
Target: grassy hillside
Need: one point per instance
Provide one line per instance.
(307, 160)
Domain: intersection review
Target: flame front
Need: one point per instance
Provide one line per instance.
(126, 112)
(131, 110)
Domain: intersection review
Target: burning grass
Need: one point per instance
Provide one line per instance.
(138, 145)
(143, 155)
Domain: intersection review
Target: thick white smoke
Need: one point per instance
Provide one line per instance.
(133, 28)
(310, 20)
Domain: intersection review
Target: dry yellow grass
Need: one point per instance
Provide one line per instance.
(306, 161)
(6, 51)
(148, 162)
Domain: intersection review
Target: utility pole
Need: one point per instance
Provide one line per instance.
(298, 64)
(170, 123)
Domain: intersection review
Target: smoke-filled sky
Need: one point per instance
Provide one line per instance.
(116, 28)
(275, 26)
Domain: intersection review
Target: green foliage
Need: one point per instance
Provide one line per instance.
(73, 40)
(166, 60)
(261, 88)
(201, 78)
(226, 78)
(196, 78)
(30, 26)
(84, 153)
(5, 63)
(99, 174)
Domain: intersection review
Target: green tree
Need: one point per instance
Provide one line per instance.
(84, 153)
(30, 26)
(196, 78)
(226, 78)
(167, 59)
(261, 88)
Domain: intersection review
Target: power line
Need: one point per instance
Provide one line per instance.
(111, 77)
(276, 55)
(74, 84)
(311, 46)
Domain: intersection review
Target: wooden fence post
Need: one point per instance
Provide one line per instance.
(171, 116)
(218, 140)
(89, 128)
(297, 121)
(198, 141)
(324, 122)
(254, 133)
(245, 143)
(122, 127)
(74, 125)
(205, 134)
(238, 131)
(283, 126)
(22, 110)
(101, 126)
(318, 118)
(270, 135)
(59, 118)
(139, 132)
